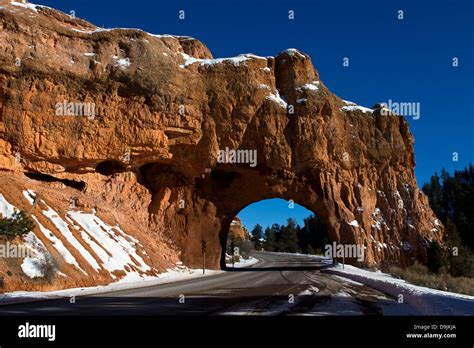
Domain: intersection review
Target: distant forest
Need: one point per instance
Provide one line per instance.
(452, 200)
(292, 238)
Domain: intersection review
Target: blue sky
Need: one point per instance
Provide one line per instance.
(272, 211)
(407, 60)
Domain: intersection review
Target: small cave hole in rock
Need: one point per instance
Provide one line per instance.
(223, 178)
(110, 167)
(78, 185)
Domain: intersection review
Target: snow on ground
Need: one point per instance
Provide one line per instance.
(243, 262)
(35, 266)
(114, 249)
(59, 246)
(354, 223)
(96, 30)
(293, 52)
(31, 265)
(310, 291)
(350, 106)
(236, 61)
(110, 247)
(30, 6)
(29, 195)
(418, 300)
(313, 86)
(62, 227)
(6, 209)
(122, 62)
(177, 274)
(276, 98)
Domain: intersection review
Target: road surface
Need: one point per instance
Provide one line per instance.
(280, 284)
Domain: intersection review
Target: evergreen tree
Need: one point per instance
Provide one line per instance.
(433, 191)
(18, 225)
(276, 230)
(270, 240)
(313, 233)
(288, 241)
(292, 238)
(256, 236)
(436, 258)
(460, 259)
(451, 198)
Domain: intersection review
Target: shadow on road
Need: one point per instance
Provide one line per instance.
(193, 306)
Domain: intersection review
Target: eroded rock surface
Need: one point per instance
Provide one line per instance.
(164, 107)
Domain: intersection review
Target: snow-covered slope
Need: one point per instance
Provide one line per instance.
(80, 241)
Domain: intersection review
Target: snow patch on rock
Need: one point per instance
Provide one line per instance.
(275, 97)
(115, 250)
(350, 106)
(312, 86)
(236, 61)
(6, 209)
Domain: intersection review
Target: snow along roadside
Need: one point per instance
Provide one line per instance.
(171, 276)
(244, 263)
(422, 300)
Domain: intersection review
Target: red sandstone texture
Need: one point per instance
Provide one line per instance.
(146, 158)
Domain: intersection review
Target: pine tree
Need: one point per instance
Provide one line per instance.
(18, 225)
(452, 199)
(269, 244)
(313, 233)
(288, 237)
(257, 235)
(436, 258)
(460, 258)
(433, 191)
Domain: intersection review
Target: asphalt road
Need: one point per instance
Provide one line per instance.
(280, 284)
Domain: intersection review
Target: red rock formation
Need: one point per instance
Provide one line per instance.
(237, 231)
(163, 110)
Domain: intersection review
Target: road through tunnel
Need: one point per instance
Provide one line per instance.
(232, 190)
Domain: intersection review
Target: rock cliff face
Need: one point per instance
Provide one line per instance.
(237, 231)
(150, 114)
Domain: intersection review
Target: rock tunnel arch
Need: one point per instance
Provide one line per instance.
(232, 190)
(374, 213)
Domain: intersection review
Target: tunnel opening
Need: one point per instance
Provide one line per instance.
(78, 185)
(273, 225)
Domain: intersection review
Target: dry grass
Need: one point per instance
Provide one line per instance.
(420, 275)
